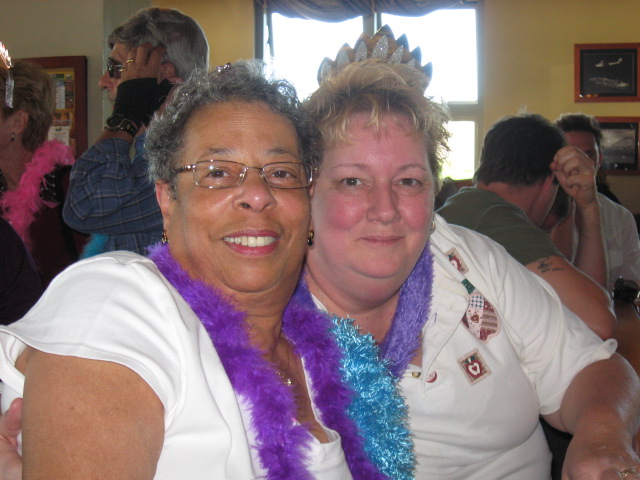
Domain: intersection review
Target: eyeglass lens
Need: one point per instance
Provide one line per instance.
(114, 69)
(225, 174)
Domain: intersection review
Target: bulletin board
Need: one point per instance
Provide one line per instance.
(69, 75)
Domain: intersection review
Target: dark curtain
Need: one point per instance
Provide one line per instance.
(339, 10)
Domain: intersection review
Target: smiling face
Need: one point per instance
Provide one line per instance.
(248, 239)
(372, 205)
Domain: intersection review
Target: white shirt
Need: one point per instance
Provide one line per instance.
(622, 243)
(117, 307)
(474, 404)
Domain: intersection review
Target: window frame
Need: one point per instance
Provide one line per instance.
(459, 110)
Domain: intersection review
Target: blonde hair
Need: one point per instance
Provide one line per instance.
(33, 94)
(377, 88)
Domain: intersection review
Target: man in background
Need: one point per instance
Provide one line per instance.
(622, 245)
(110, 195)
(524, 162)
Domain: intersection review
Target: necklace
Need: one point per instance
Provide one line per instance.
(286, 380)
(281, 444)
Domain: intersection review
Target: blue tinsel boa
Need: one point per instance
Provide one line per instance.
(377, 409)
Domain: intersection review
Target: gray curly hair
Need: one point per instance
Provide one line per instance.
(184, 39)
(243, 81)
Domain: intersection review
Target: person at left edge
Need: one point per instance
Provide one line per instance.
(110, 195)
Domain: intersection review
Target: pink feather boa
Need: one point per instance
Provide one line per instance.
(20, 206)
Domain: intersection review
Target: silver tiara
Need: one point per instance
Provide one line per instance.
(382, 45)
(6, 61)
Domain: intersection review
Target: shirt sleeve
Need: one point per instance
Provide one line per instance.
(631, 247)
(115, 309)
(553, 344)
(111, 194)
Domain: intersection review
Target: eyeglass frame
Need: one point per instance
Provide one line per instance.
(191, 168)
(115, 69)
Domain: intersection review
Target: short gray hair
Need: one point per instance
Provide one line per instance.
(186, 43)
(243, 81)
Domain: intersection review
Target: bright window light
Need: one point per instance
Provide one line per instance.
(300, 46)
(459, 163)
(447, 39)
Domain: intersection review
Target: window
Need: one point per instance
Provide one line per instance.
(447, 38)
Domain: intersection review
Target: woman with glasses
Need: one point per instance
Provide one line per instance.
(34, 172)
(189, 363)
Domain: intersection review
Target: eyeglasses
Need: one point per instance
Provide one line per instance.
(115, 69)
(226, 174)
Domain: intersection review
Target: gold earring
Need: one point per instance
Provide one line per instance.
(433, 227)
(13, 136)
(310, 237)
(164, 238)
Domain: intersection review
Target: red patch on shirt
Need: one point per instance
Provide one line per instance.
(456, 260)
(481, 318)
(474, 367)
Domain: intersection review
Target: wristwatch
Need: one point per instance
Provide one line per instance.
(117, 122)
(625, 290)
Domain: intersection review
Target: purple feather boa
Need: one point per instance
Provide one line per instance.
(403, 339)
(281, 444)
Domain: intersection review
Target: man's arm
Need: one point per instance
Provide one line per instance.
(578, 292)
(576, 174)
(601, 408)
(109, 193)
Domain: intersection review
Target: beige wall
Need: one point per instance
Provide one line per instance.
(228, 24)
(528, 61)
(45, 28)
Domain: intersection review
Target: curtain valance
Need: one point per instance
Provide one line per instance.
(339, 10)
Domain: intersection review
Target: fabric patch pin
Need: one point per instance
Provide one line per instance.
(456, 260)
(481, 318)
(474, 367)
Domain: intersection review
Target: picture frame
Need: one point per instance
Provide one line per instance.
(69, 76)
(606, 72)
(620, 145)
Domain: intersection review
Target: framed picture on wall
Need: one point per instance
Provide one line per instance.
(69, 76)
(606, 72)
(620, 145)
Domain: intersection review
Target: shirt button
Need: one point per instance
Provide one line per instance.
(431, 377)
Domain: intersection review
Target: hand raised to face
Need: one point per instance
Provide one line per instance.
(576, 174)
(144, 61)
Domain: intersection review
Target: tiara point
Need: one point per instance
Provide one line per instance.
(361, 52)
(342, 59)
(4, 56)
(402, 40)
(396, 57)
(9, 84)
(381, 48)
(384, 46)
